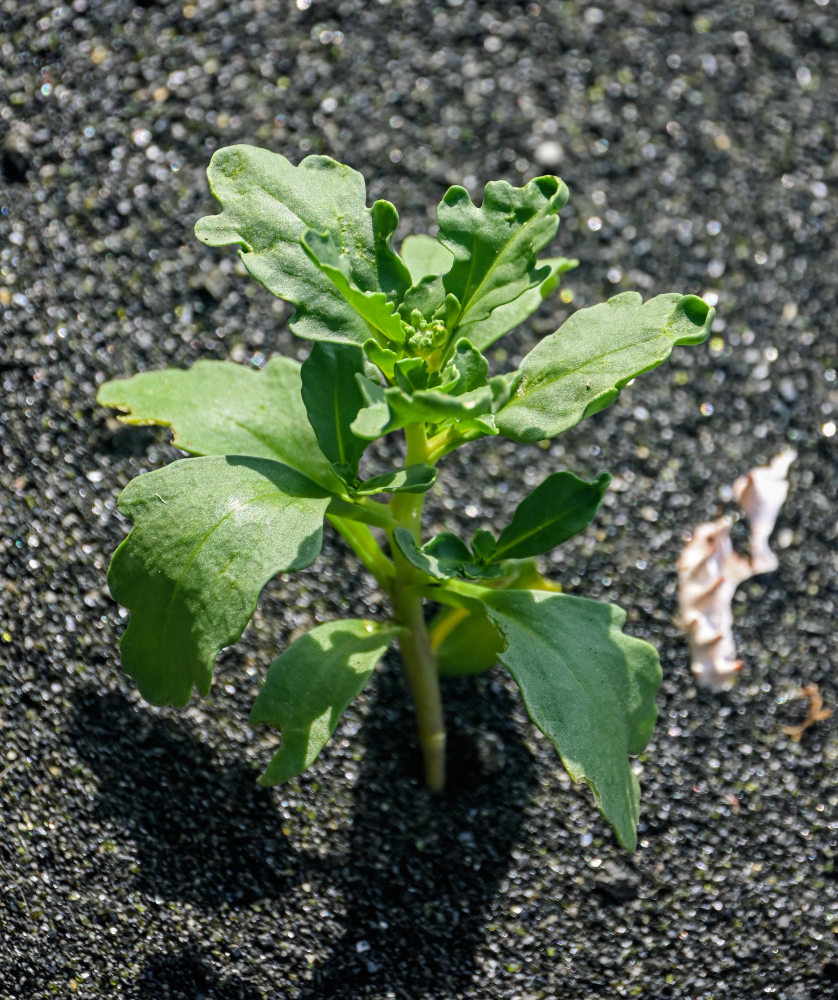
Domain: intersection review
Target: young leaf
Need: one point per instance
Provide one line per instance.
(433, 405)
(332, 399)
(412, 479)
(495, 246)
(391, 408)
(467, 368)
(411, 374)
(580, 369)
(311, 684)
(588, 687)
(375, 307)
(483, 333)
(425, 256)
(483, 544)
(382, 357)
(208, 535)
(267, 206)
(427, 297)
(220, 408)
(446, 562)
(557, 509)
(443, 557)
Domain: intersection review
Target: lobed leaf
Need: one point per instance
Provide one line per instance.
(379, 311)
(388, 409)
(208, 535)
(495, 246)
(580, 369)
(311, 684)
(560, 507)
(433, 406)
(221, 408)
(587, 686)
(268, 205)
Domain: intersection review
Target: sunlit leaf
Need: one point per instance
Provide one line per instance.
(208, 535)
(557, 509)
(580, 369)
(220, 408)
(268, 205)
(495, 246)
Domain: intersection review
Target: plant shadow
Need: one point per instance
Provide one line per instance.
(422, 872)
(417, 877)
(204, 834)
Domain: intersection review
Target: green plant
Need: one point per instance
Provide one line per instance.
(398, 347)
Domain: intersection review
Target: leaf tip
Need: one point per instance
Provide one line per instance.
(694, 312)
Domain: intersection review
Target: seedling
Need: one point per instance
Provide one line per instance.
(399, 347)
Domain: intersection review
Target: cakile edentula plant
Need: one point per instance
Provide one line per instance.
(398, 348)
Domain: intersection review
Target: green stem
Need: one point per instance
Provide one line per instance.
(366, 548)
(363, 509)
(415, 644)
(420, 665)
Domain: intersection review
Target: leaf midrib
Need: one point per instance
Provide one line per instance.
(470, 302)
(545, 524)
(539, 639)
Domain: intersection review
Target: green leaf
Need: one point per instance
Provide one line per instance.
(464, 641)
(425, 256)
(467, 368)
(208, 535)
(412, 479)
(485, 332)
(391, 408)
(311, 684)
(440, 567)
(267, 206)
(580, 369)
(375, 307)
(434, 406)
(220, 408)
(373, 419)
(332, 399)
(483, 544)
(382, 357)
(495, 246)
(557, 509)
(411, 374)
(588, 687)
(443, 557)
(426, 297)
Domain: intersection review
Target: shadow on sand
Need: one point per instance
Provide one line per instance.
(417, 879)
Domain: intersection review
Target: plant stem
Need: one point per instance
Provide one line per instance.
(365, 547)
(415, 645)
(420, 666)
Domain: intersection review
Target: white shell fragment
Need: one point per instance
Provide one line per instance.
(709, 571)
